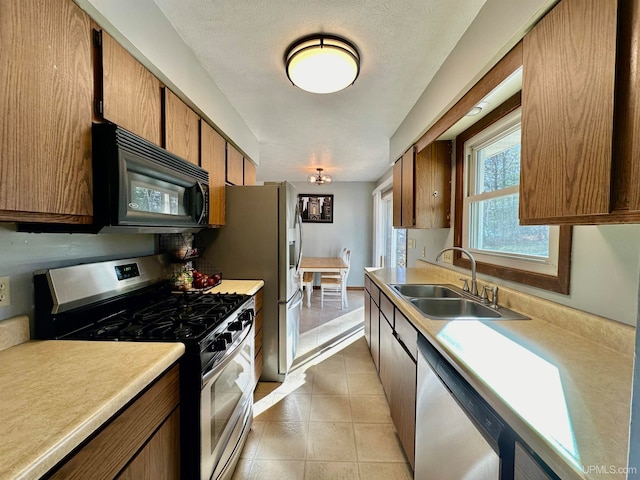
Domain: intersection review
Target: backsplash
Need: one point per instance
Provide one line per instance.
(21, 254)
(615, 335)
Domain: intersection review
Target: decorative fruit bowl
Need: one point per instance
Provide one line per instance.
(193, 281)
(202, 281)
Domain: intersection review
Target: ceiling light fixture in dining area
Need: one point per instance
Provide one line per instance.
(319, 178)
(322, 63)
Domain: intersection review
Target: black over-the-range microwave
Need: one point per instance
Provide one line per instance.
(139, 187)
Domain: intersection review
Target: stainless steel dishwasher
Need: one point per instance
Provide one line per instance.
(458, 436)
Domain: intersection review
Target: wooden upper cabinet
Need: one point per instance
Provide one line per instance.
(397, 193)
(249, 173)
(403, 190)
(46, 83)
(569, 69)
(433, 186)
(213, 148)
(422, 187)
(626, 153)
(130, 94)
(235, 166)
(408, 188)
(181, 127)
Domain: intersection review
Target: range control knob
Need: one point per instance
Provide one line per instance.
(235, 326)
(219, 345)
(226, 336)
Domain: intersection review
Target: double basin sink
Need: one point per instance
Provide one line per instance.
(447, 302)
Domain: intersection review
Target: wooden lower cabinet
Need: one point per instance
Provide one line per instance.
(375, 329)
(157, 460)
(258, 357)
(402, 401)
(141, 442)
(393, 346)
(367, 317)
(386, 368)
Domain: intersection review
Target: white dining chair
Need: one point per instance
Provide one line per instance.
(307, 283)
(335, 286)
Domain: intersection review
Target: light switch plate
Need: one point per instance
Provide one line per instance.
(5, 292)
(448, 257)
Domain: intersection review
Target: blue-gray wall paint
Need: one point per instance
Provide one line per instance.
(351, 228)
(21, 254)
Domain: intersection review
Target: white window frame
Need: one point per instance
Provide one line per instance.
(547, 266)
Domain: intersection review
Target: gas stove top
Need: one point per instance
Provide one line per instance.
(128, 300)
(182, 317)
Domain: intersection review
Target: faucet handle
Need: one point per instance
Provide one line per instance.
(465, 286)
(494, 297)
(484, 297)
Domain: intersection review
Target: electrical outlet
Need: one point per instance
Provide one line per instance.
(5, 292)
(411, 243)
(424, 252)
(448, 257)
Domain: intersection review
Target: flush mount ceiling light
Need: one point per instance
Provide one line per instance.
(322, 63)
(319, 178)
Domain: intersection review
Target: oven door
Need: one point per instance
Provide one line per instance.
(226, 410)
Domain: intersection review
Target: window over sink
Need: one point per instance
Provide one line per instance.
(487, 202)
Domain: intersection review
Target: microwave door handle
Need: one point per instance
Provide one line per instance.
(204, 207)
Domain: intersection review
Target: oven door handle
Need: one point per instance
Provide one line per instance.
(229, 356)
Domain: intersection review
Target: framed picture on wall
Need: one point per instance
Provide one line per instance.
(316, 208)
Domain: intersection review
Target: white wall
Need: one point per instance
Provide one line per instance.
(21, 254)
(351, 228)
(605, 269)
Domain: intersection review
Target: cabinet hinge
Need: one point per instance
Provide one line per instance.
(98, 106)
(97, 38)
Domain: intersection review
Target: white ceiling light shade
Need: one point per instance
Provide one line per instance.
(322, 63)
(319, 178)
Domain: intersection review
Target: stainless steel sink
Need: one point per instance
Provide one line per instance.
(426, 291)
(462, 309)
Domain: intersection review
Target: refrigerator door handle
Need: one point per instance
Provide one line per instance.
(299, 230)
(297, 301)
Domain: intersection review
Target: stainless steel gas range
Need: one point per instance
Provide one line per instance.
(132, 300)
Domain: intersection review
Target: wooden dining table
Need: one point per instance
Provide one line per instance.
(324, 265)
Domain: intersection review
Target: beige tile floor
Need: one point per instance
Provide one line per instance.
(329, 419)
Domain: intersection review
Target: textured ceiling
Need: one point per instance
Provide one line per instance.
(241, 44)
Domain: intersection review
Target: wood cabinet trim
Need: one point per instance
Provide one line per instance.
(107, 453)
(501, 70)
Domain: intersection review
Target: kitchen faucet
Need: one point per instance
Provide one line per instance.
(474, 283)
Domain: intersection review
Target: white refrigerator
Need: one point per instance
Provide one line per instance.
(262, 239)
